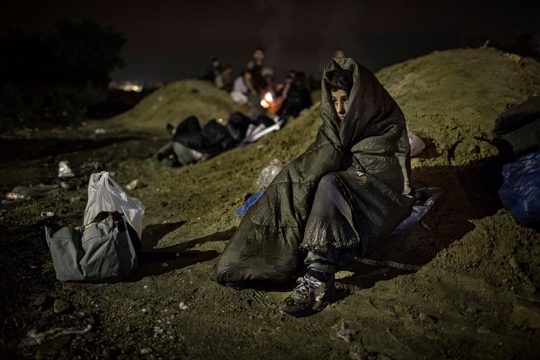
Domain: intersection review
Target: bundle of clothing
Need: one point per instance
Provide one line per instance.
(517, 135)
(192, 143)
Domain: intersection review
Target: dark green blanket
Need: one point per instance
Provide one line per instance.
(369, 151)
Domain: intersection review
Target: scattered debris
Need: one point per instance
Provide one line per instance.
(182, 306)
(100, 131)
(133, 184)
(62, 325)
(46, 214)
(512, 57)
(20, 193)
(14, 196)
(269, 172)
(64, 170)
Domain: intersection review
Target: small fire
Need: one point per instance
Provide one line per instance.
(268, 100)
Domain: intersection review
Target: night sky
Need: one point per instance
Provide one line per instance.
(170, 40)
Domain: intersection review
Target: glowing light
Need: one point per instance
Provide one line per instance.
(126, 86)
(267, 100)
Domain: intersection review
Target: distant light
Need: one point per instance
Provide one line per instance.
(128, 86)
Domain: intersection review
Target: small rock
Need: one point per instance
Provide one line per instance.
(133, 184)
(483, 330)
(165, 264)
(61, 306)
(145, 351)
(182, 306)
(41, 300)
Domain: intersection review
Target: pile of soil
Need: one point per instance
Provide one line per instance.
(474, 295)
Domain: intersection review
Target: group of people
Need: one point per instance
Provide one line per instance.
(256, 88)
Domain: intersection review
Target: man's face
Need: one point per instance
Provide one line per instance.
(258, 55)
(341, 102)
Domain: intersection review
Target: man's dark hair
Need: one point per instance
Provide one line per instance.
(258, 48)
(340, 79)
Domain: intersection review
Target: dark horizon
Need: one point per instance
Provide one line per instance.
(170, 40)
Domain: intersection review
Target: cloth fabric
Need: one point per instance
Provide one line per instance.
(517, 130)
(368, 156)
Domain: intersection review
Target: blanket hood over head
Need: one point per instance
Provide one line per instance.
(371, 140)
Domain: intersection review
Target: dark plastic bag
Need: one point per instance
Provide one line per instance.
(520, 192)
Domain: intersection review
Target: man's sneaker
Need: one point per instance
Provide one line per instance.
(309, 297)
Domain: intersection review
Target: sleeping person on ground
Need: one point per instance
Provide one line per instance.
(344, 194)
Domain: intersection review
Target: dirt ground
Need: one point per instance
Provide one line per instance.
(475, 293)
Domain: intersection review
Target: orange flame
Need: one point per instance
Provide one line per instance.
(267, 100)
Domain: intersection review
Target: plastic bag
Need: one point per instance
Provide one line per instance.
(416, 143)
(269, 173)
(104, 194)
(425, 199)
(242, 210)
(520, 192)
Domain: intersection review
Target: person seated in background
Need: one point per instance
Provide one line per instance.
(224, 81)
(297, 96)
(214, 70)
(240, 90)
(339, 54)
(256, 82)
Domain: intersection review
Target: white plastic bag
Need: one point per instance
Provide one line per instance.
(416, 143)
(269, 172)
(104, 194)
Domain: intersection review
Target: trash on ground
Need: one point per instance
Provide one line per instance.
(59, 325)
(46, 214)
(19, 193)
(425, 199)
(100, 131)
(64, 170)
(416, 143)
(14, 196)
(133, 184)
(242, 210)
(106, 247)
(520, 192)
(268, 173)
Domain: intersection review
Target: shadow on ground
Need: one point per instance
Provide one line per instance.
(164, 260)
(465, 196)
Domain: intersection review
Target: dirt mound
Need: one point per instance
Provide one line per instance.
(451, 98)
(176, 101)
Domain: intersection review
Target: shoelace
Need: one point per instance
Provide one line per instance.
(305, 284)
